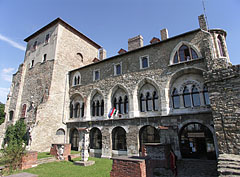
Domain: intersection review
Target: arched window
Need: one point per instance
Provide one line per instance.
(205, 95)
(120, 101)
(71, 110)
(76, 79)
(175, 99)
(184, 53)
(126, 104)
(186, 97)
(148, 134)
(119, 139)
(220, 46)
(97, 105)
(195, 96)
(148, 98)
(11, 115)
(74, 139)
(102, 108)
(23, 114)
(95, 139)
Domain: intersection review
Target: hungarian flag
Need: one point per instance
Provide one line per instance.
(111, 112)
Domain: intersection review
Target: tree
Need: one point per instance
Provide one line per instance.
(15, 144)
(2, 113)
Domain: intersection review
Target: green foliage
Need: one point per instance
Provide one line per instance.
(14, 146)
(101, 168)
(2, 113)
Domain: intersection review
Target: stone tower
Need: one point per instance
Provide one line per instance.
(39, 89)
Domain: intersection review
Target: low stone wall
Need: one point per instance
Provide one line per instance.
(129, 167)
(61, 151)
(29, 160)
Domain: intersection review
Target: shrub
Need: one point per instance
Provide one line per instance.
(2, 114)
(15, 144)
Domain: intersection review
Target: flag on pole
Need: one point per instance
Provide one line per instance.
(111, 112)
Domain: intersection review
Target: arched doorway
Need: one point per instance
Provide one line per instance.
(148, 134)
(74, 139)
(196, 141)
(95, 139)
(60, 138)
(119, 139)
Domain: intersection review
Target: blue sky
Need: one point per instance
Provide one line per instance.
(109, 23)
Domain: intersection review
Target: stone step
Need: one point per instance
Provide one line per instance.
(231, 166)
(229, 157)
(228, 171)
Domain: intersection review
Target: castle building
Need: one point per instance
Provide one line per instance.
(69, 92)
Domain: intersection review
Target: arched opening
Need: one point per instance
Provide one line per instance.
(95, 139)
(196, 141)
(148, 134)
(60, 136)
(74, 139)
(119, 139)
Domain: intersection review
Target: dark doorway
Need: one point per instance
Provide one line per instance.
(196, 141)
(74, 139)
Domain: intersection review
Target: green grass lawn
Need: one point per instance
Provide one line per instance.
(101, 168)
(42, 155)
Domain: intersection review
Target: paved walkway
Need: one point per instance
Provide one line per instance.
(197, 168)
(23, 175)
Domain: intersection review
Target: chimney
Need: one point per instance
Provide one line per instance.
(102, 54)
(135, 42)
(202, 22)
(164, 34)
(121, 51)
(154, 40)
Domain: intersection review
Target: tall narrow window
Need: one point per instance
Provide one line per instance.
(115, 103)
(32, 64)
(206, 96)
(175, 58)
(155, 101)
(47, 38)
(186, 97)
(118, 69)
(144, 63)
(11, 115)
(195, 96)
(126, 104)
(35, 45)
(102, 108)
(44, 57)
(71, 110)
(175, 99)
(78, 80)
(142, 103)
(96, 75)
(75, 80)
(149, 102)
(98, 106)
(220, 46)
(184, 53)
(93, 108)
(82, 110)
(120, 105)
(77, 110)
(23, 114)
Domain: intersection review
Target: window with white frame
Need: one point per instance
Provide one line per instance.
(96, 75)
(76, 79)
(144, 62)
(118, 69)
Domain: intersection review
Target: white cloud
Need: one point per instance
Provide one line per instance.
(12, 43)
(6, 74)
(3, 94)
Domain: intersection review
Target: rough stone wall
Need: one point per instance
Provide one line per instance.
(224, 91)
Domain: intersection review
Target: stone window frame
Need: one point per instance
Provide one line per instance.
(97, 105)
(141, 61)
(190, 46)
(44, 58)
(220, 43)
(35, 45)
(77, 79)
(115, 69)
(47, 38)
(94, 74)
(74, 102)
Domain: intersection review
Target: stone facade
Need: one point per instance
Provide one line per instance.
(160, 91)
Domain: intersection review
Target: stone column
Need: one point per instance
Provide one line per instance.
(85, 143)
(133, 141)
(106, 143)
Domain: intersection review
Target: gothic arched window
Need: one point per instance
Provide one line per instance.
(184, 53)
(97, 105)
(119, 139)
(120, 101)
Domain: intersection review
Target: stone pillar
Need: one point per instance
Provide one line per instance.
(133, 141)
(85, 143)
(106, 143)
